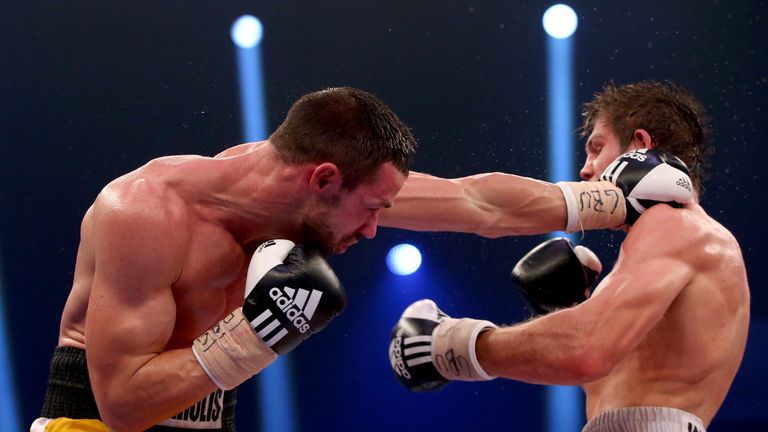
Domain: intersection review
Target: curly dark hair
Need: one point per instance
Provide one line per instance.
(348, 127)
(674, 119)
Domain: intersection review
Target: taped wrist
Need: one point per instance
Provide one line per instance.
(593, 205)
(453, 349)
(231, 352)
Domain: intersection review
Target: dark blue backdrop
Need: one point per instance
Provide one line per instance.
(92, 89)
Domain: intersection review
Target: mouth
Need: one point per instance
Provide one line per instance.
(342, 247)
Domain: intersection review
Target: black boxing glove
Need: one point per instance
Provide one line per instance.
(428, 348)
(629, 185)
(648, 177)
(289, 299)
(290, 294)
(555, 275)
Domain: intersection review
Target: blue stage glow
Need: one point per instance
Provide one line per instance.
(247, 31)
(252, 110)
(252, 106)
(9, 420)
(560, 21)
(561, 110)
(277, 410)
(403, 259)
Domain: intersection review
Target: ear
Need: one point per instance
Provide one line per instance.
(642, 139)
(326, 180)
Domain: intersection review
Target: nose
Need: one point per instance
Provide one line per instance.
(587, 171)
(368, 230)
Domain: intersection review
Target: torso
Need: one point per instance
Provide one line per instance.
(689, 359)
(212, 269)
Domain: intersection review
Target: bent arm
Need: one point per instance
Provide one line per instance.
(491, 205)
(131, 317)
(584, 343)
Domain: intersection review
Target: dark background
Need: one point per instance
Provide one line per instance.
(92, 89)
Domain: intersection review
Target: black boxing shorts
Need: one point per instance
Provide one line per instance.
(70, 395)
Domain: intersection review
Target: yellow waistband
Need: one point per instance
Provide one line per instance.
(63, 424)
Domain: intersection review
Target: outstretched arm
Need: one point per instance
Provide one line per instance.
(496, 204)
(491, 205)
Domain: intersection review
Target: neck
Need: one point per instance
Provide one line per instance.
(256, 196)
(695, 197)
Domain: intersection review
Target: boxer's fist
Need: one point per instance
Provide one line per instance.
(428, 348)
(649, 177)
(290, 294)
(555, 275)
(410, 348)
(632, 183)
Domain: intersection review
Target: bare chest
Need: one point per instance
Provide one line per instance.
(211, 286)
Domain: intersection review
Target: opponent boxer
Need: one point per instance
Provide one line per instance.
(161, 322)
(658, 343)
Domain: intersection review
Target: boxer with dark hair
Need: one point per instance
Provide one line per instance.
(174, 303)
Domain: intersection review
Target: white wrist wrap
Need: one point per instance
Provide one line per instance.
(231, 352)
(572, 224)
(593, 205)
(453, 349)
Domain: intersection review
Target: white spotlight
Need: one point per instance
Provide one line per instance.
(247, 31)
(560, 21)
(403, 259)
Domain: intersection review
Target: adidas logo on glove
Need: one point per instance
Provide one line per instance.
(417, 347)
(297, 305)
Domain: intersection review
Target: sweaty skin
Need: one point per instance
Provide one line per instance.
(163, 257)
(491, 205)
(667, 327)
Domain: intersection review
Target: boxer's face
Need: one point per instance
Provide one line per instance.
(602, 148)
(352, 215)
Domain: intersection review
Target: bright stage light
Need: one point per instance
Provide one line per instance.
(560, 21)
(403, 259)
(247, 31)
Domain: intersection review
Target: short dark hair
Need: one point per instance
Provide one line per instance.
(348, 127)
(675, 120)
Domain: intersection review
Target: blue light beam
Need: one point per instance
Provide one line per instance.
(247, 33)
(9, 420)
(277, 407)
(560, 23)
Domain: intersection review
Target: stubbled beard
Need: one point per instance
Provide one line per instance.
(316, 231)
(317, 235)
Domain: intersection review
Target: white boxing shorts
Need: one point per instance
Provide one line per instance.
(645, 419)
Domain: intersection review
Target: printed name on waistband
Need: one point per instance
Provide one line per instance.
(205, 414)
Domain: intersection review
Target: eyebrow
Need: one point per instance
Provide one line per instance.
(591, 140)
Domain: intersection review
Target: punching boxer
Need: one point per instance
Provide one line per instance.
(161, 322)
(657, 344)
